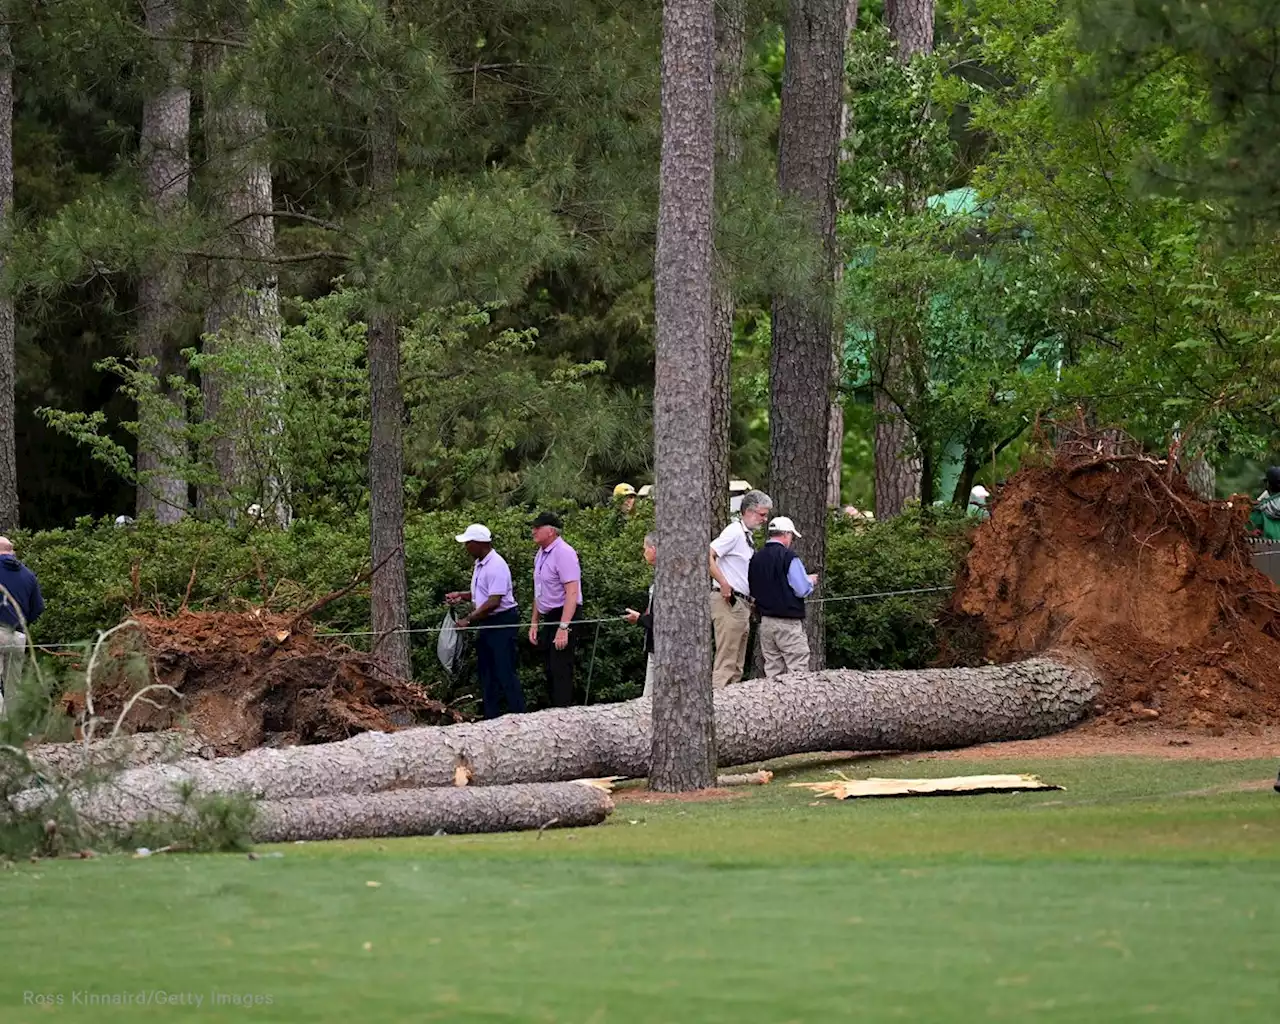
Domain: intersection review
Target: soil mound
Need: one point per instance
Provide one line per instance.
(1103, 553)
(252, 679)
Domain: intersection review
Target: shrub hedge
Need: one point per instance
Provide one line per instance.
(93, 573)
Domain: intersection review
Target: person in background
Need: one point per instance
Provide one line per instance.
(978, 498)
(779, 585)
(645, 618)
(731, 596)
(557, 601)
(495, 609)
(624, 497)
(21, 603)
(1264, 520)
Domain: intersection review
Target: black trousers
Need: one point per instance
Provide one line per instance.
(496, 662)
(559, 663)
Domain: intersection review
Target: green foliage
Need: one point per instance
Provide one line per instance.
(203, 823)
(961, 307)
(1229, 149)
(918, 550)
(1166, 329)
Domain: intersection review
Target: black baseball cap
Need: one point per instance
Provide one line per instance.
(548, 519)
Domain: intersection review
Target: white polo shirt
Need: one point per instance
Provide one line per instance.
(733, 550)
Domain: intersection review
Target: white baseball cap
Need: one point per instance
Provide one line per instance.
(783, 524)
(475, 532)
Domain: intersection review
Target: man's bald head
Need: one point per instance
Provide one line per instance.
(6, 546)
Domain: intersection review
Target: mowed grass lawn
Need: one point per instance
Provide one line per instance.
(1146, 890)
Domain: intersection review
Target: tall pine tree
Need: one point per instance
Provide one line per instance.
(684, 751)
(804, 324)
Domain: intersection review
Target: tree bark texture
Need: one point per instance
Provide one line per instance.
(804, 326)
(764, 718)
(424, 812)
(244, 291)
(910, 26)
(731, 46)
(899, 475)
(166, 167)
(389, 600)
(835, 413)
(8, 357)
(683, 735)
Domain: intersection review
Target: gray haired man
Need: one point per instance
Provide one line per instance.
(731, 596)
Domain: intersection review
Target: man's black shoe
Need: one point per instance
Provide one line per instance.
(1278, 782)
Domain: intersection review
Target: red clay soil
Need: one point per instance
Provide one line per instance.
(252, 679)
(1105, 556)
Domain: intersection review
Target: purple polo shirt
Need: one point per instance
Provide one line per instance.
(490, 576)
(553, 567)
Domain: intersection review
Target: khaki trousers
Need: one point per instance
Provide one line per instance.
(783, 645)
(732, 626)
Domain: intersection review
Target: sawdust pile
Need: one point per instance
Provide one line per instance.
(1103, 553)
(254, 679)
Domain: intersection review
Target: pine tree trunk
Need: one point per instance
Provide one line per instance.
(389, 601)
(910, 26)
(835, 414)
(684, 746)
(898, 475)
(8, 359)
(731, 44)
(804, 326)
(244, 293)
(166, 167)
(424, 812)
(1202, 478)
(930, 709)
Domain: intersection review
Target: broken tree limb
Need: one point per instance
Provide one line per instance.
(757, 720)
(417, 812)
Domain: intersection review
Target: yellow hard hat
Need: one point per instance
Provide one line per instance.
(623, 490)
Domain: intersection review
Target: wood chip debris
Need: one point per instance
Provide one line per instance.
(845, 789)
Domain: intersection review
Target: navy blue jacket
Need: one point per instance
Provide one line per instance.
(24, 588)
(770, 589)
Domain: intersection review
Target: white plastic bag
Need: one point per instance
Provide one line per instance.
(449, 643)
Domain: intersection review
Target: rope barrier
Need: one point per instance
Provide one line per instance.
(877, 595)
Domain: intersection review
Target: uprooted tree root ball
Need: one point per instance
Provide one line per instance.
(1106, 553)
(245, 680)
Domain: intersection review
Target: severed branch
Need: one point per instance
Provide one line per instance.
(328, 599)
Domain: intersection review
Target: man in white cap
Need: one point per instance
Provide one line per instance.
(496, 611)
(779, 585)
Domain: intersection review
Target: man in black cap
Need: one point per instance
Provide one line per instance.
(557, 601)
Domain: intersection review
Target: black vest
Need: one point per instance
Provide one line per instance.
(769, 587)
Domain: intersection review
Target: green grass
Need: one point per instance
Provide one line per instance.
(1146, 890)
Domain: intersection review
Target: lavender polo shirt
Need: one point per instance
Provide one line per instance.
(490, 576)
(553, 567)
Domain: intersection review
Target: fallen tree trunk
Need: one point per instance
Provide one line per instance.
(756, 720)
(417, 812)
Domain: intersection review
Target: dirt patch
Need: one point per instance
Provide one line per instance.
(1125, 741)
(253, 679)
(1102, 552)
(643, 795)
